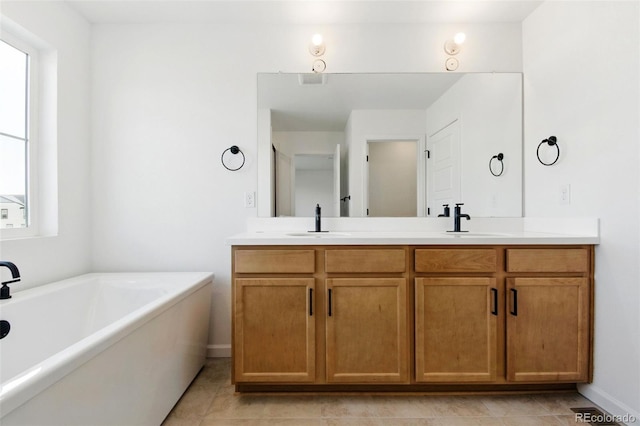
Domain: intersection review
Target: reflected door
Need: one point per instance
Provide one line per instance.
(336, 181)
(284, 206)
(443, 167)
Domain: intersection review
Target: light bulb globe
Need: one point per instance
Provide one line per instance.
(316, 40)
(459, 38)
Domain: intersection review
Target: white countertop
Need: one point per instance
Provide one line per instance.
(406, 238)
(419, 231)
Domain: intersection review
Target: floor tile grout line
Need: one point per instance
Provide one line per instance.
(214, 374)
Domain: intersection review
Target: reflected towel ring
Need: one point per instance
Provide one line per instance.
(234, 150)
(552, 141)
(499, 157)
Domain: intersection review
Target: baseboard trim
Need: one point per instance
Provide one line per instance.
(610, 404)
(219, 351)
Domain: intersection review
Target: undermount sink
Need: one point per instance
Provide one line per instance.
(474, 234)
(318, 234)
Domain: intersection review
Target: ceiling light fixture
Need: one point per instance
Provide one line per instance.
(452, 47)
(317, 47)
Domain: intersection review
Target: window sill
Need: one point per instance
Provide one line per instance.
(22, 234)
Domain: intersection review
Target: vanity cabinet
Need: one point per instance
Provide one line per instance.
(361, 298)
(420, 318)
(366, 329)
(274, 330)
(273, 316)
(456, 318)
(366, 324)
(456, 329)
(548, 318)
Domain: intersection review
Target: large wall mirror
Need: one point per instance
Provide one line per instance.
(389, 145)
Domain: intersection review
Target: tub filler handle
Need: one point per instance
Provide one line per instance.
(4, 328)
(5, 292)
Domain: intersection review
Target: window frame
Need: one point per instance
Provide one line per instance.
(32, 106)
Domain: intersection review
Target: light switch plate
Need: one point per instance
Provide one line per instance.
(565, 194)
(250, 199)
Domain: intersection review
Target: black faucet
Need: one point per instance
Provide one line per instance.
(447, 211)
(457, 214)
(4, 291)
(318, 216)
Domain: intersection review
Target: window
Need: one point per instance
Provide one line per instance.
(16, 144)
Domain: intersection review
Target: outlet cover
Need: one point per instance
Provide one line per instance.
(565, 194)
(250, 199)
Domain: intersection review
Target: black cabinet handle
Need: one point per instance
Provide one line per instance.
(494, 309)
(310, 302)
(329, 302)
(514, 304)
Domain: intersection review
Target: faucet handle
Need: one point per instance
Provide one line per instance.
(446, 212)
(459, 204)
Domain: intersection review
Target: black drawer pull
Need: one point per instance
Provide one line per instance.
(329, 302)
(494, 308)
(514, 304)
(310, 302)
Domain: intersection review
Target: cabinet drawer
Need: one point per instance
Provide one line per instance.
(547, 260)
(456, 260)
(274, 261)
(365, 260)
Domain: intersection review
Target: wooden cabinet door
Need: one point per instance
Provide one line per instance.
(456, 329)
(367, 330)
(548, 329)
(274, 337)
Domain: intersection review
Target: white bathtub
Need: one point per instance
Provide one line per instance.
(102, 349)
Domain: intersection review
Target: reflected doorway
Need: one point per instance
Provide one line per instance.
(392, 178)
(305, 180)
(313, 184)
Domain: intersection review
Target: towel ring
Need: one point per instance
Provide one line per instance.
(498, 157)
(234, 150)
(552, 141)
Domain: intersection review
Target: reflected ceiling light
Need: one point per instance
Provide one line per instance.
(317, 47)
(452, 47)
(318, 66)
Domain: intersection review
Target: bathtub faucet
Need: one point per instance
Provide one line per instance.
(4, 291)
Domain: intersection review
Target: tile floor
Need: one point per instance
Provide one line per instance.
(211, 401)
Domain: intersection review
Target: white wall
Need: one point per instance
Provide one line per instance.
(65, 37)
(581, 69)
(169, 98)
(292, 143)
(489, 110)
(314, 187)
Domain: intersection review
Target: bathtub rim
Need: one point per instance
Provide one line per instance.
(42, 375)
